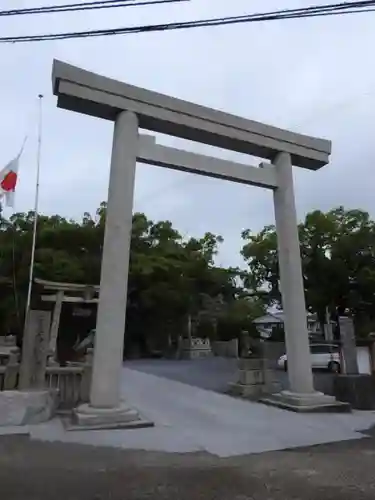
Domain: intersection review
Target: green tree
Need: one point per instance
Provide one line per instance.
(338, 257)
(169, 276)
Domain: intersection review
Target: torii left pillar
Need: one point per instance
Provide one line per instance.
(106, 409)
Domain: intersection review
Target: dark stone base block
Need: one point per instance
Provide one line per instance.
(334, 407)
(357, 390)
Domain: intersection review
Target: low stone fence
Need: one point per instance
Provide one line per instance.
(69, 381)
(72, 382)
(225, 349)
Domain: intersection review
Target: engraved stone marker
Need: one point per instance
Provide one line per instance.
(34, 350)
(349, 349)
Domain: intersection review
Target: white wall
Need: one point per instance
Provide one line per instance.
(364, 360)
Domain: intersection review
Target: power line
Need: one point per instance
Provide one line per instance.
(103, 4)
(312, 11)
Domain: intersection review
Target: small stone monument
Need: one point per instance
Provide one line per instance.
(33, 402)
(196, 347)
(255, 379)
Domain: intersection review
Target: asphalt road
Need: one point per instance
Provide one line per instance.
(212, 373)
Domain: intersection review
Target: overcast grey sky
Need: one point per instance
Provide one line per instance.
(312, 76)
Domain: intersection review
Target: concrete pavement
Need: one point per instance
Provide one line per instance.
(190, 419)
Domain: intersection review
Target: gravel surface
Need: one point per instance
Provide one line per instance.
(34, 470)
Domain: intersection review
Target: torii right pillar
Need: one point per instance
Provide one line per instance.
(301, 395)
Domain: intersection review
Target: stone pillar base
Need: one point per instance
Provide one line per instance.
(316, 402)
(27, 407)
(91, 418)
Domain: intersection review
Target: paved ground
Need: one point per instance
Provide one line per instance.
(189, 419)
(212, 373)
(220, 448)
(33, 470)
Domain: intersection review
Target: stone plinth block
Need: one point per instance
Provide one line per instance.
(122, 417)
(357, 390)
(246, 391)
(315, 402)
(27, 407)
(251, 381)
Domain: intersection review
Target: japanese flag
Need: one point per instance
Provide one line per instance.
(8, 180)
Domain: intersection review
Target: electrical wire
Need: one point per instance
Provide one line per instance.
(100, 4)
(103, 4)
(312, 11)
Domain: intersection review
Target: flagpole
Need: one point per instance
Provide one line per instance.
(36, 203)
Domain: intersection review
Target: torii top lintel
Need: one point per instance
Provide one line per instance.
(92, 94)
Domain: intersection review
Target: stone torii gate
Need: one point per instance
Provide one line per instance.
(131, 108)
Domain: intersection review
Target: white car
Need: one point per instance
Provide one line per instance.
(323, 356)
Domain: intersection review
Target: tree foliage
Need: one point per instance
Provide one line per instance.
(170, 278)
(338, 262)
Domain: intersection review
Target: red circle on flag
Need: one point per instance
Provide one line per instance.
(9, 181)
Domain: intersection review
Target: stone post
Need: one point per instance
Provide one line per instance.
(244, 344)
(34, 403)
(301, 390)
(34, 350)
(55, 323)
(348, 346)
(110, 326)
(86, 376)
(105, 407)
